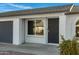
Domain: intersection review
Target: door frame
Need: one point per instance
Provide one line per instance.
(48, 33)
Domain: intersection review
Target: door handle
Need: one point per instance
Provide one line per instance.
(48, 31)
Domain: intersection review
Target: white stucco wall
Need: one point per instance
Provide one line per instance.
(62, 27)
(71, 25)
(44, 39)
(18, 27)
(18, 31)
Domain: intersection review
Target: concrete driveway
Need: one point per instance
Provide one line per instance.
(31, 48)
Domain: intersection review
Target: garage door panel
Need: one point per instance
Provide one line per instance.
(6, 31)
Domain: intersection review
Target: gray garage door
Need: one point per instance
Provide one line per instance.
(6, 31)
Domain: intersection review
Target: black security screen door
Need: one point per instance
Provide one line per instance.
(53, 30)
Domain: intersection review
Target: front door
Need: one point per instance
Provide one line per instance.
(53, 30)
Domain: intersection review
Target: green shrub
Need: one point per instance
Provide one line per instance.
(68, 47)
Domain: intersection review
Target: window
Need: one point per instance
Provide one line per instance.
(35, 27)
(77, 29)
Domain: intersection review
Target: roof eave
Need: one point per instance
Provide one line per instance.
(71, 13)
(57, 11)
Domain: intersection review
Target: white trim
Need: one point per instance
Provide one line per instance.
(71, 7)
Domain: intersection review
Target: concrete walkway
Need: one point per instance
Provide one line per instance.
(31, 48)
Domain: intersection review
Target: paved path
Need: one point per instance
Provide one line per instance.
(31, 48)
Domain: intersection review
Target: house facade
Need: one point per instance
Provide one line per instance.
(42, 25)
